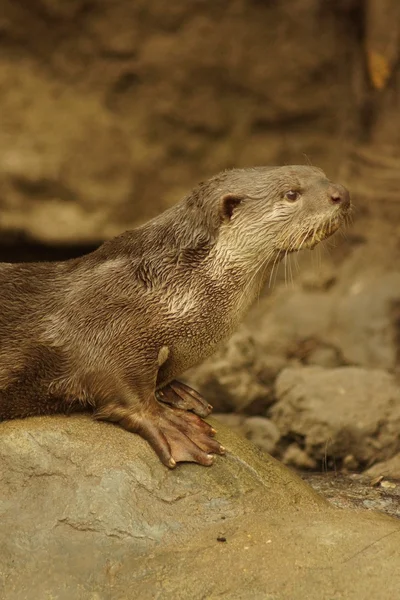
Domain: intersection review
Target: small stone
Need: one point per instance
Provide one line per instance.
(388, 485)
(297, 457)
(376, 481)
(349, 462)
(262, 432)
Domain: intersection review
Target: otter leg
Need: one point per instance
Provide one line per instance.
(176, 435)
(182, 396)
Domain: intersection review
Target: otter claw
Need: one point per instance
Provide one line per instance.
(180, 395)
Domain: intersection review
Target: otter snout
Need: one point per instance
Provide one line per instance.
(339, 195)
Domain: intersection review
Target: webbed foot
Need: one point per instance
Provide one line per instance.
(176, 435)
(180, 395)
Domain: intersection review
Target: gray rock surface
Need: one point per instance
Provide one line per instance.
(387, 468)
(365, 317)
(341, 412)
(352, 321)
(88, 512)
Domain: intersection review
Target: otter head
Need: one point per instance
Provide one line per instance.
(277, 210)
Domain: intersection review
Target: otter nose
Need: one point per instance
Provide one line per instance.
(339, 195)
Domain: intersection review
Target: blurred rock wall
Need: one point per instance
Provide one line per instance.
(112, 110)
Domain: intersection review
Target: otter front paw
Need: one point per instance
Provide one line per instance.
(175, 435)
(182, 396)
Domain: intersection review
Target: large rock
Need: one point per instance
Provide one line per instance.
(88, 512)
(352, 320)
(365, 319)
(339, 413)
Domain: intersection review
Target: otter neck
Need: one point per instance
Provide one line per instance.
(240, 271)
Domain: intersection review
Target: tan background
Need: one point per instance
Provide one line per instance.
(112, 110)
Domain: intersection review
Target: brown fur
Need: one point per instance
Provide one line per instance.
(108, 329)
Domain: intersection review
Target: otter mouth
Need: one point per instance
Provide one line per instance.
(319, 235)
(308, 241)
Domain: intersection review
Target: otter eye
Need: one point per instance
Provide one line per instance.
(292, 195)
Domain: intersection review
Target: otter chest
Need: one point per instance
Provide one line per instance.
(199, 327)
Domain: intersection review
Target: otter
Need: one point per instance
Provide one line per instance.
(112, 330)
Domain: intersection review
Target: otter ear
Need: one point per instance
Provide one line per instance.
(229, 203)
